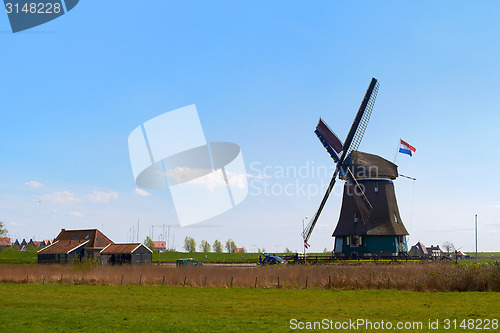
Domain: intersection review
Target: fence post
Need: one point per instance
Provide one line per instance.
(163, 282)
(388, 282)
(307, 279)
(140, 279)
(205, 282)
(61, 278)
(184, 284)
(27, 278)
(121, 283)
(329, 282)
(278, 282)
(231, 281)
(255, 286)
(43, 280)
(357, 285)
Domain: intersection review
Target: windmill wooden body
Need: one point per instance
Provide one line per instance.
(369, 224)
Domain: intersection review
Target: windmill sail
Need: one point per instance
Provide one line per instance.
(334, 147)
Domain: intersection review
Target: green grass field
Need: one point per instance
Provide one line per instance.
(59, 308)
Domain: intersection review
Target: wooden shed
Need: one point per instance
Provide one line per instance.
(126, 253)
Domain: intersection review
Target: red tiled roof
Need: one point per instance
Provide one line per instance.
(4, 241)
(37, 243)
(121, 248)
(63, 246)
(94, 236)
(160, 244)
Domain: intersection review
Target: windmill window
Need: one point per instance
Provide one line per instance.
(356, 241)
(376, 186)
(356, 217)
(395, 218)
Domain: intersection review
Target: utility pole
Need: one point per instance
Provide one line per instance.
(476, 237)
(137, 230)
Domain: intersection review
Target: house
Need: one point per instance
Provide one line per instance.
(435, 252)
(240, 250)
(419, 251)
(461, 255)
(128, 253)
(160, 245)
(72, 245)
(5, 242)
(37, 243)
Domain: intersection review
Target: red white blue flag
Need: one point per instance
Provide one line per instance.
(306, 245)
(406, 148)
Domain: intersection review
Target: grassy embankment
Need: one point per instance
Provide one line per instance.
(11, 256)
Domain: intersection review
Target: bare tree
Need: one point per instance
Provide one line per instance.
(448, 246)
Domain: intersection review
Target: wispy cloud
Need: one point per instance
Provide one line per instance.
(68, 198)
(64, 197)
(99, 196)
(34, 184)
(17, 224)
(76, 214)
(141, 192)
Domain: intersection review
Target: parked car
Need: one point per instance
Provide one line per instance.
(272, 260)
(188, 262)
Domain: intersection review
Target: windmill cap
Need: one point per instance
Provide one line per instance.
(364, 165)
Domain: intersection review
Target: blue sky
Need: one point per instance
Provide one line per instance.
(261, 74)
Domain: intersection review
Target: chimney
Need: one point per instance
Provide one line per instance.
(63, 229)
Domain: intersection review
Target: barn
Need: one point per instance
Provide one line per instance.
(127, 253)
(71, 245)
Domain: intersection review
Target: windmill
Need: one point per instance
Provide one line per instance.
(369, 222)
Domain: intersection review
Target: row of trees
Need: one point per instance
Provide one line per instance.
(190, 246)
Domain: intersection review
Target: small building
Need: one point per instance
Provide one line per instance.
(435, 252)
(72, 245)
(5, 242)
(62, 252)
(419, 251)
(160, 245)
(127, 253)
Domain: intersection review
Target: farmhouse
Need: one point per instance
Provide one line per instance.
(5, 242)
(418, 251)
(160, 245)
(72, 245)
(130, 253)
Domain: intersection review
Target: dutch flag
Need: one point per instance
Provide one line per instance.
(406, 148)
(306, 245)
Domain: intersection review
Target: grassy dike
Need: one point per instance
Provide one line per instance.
(61, 308)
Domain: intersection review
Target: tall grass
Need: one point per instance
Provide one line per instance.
(419, 277)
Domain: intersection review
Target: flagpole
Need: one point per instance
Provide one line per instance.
(397, 149)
